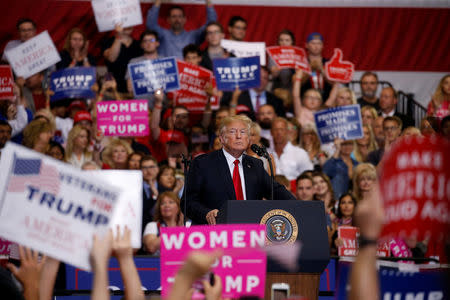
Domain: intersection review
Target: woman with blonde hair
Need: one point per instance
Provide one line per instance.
(37, 135)
(309, 141)
(365, 145)
(364, 179)
(439, 105)
(75, 51)
(77, 152)
(368, 115)
(115, 155)
(255, 138)
(344, 96)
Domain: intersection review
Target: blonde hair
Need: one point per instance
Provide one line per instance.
(439, 95)
(67, 45)
(33, 130)
(46, 114)
(371, 147)
(371, 109)
(347, 90)
(237, 118)
(73, 134)
(411, 130)
(107, 152)
(309, 128)
(360, 170)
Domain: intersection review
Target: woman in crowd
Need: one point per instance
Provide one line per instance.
(304, 108)
(75, 51)
(294, 131)
(344, 96)
(309, 140)
(77, 148)
(167, 180)
(364, 145)
(56, 151)
(323, 191)
(344, 217)
(167, 214)
(368, 115)
(411, 131)
(439, 105)
(340, 167)
(37, 135)
(134, 161)
(364, 180)
(255, 138)
(115, 155)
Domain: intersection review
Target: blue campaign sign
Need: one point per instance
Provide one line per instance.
(150, 75)
(243, 72)
(339, 122)
(72, 83)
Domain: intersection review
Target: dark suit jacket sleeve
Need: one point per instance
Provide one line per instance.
(196, 210)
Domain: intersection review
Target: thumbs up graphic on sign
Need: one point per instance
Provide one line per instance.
(338, 70)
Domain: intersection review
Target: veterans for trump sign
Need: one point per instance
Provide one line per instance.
(109, 13)
(123, 118)
(242, 267)
(150, 75)
(339, 122)
(52, 207)
(6, 83)
(33, 56)
(237, 72)
(72, 83)
(289, 57)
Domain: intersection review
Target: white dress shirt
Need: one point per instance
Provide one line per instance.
(292, 162)
(230, 161)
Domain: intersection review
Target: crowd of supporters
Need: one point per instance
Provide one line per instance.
(340, 173)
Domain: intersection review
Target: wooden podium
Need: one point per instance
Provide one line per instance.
(309, 228)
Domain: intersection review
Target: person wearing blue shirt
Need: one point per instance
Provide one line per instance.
(173, 40)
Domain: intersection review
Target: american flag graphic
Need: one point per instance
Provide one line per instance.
(33, 172)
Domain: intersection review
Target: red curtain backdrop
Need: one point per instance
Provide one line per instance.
(385, 39)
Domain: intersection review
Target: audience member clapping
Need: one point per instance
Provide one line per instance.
(75, 51)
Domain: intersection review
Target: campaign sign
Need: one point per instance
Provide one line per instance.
(415, 187)
(6, 83)
(348, 235)
(72, 83)
(150, 75)
(128, 210)
(108, 13)
(289, 57)
(237, 72)
(52, 207)
(338, 70)
(5, 248)
(246, 49)
(123, 118)
(339, 122)
(33, 56)
(193, 80)
(242, 267)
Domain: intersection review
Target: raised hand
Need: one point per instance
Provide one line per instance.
(338, 70)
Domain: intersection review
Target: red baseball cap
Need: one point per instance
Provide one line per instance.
(82, 115)
(78, 104)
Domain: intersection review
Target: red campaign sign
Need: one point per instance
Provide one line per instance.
(5, 247)
(289, 57)
(415, 187)
(338, 70)
(193, 80)
(383, 249)
(6, 83)
(348, 234)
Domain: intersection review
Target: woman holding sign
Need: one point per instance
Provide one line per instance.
(75, 51)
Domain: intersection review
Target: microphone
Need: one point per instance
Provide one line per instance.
(260, 151)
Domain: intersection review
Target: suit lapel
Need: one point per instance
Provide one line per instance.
(249, 178)
(225, 176)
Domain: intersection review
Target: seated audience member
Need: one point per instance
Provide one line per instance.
(167, 214)
(309, 140)
(388, 104)
(439, 106)
(5, 133)
(115, 155)
(429, 125)
(118, 50)
(411, 131)
(255, 138)
(75, 51)
(368, 115)
(56, 151)
(214, 35)
(237, 27)
(173, 40)
(290, 160)
(369, 86)
(282, 78)
(378, 131)
(305, 106)
(305, 190)
(340, 167)
(77, 148)
(150, 170)
(365, 145)
(134, 161)
(37, 135)
(344, 217)
(323, 191)
(445, 127)
(265, 116)
(364, 180)
(391, 131)
(167, 181)
(26, 29)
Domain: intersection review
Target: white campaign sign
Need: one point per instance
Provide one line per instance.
(129, 207)
(108, 13)
(33, 56)
(246, 49)
(52, 207)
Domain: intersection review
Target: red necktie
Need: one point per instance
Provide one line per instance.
(237, 181)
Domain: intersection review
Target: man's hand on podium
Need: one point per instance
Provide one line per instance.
(211, 216)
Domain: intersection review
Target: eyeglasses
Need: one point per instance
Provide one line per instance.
(391, 128)
(213, 32)
(148, 167)
(234, 131)
(152, 40)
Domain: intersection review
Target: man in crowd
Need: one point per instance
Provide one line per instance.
(173, 40)
(388, 104)
(214, 35)
(150, 169)
(192, 54)
(237, 28)
(392, 127)
(290, 160)
(378, 131)
(305, 190)
(27, 30)
(228, 174)
(369, 85)
(265, 116)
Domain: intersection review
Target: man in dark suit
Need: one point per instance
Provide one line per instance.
(149, 167)
(253, 99)
(388, 104)
(228, 174)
